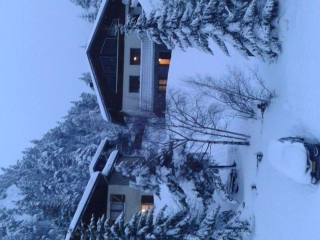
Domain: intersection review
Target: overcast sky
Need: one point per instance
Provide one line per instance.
(41, 60)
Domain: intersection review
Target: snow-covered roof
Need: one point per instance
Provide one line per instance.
(82, 205)
(102, 9)
(110, 163)
(97, 155)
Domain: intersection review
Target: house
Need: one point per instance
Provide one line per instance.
(129, 74)
(108, 192)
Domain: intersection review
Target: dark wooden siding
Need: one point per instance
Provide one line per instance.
(159, 70)
(112, 100)
(96, 203)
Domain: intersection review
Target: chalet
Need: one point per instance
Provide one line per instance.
(129, 74)
(108, 192)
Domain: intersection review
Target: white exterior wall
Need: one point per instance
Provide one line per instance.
(130, 101)
(132, 199)
(138, 104)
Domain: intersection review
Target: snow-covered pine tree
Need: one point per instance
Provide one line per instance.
(175, 225)
(118, 227)
(132, 226)
(232, 227)
(90, 7)
(207, 226)
(245, 26)
(53, 173)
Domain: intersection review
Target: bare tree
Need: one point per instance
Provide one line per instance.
(242, 93)
(191, 119)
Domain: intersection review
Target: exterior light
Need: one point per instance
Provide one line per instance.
(159, 59)
(259, 156)
(135, 58)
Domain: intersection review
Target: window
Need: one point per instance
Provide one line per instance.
(109, 65)
(135, 56)
(109, 47)
(162, 85)
(164, 58)
(116, 205)
(134, 84)
(113, 28)
(146, 202)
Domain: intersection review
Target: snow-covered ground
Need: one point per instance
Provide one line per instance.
(283, 208)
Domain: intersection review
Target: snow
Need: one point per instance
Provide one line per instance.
(82, 204)
(110, 163)
(97, 155)
(282, 207)
(290, 159)
(11, 196)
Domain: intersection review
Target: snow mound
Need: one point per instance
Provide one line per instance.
(290, 159)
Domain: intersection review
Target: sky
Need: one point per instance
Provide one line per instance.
(41, 59)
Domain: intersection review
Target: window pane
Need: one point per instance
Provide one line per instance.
(109, 65)
(114, 215)
(164, 58)
(113, 29)
(134, 84)
(162, 88)
(117, 206)
(163, 82)
(162, 85)
(145, 207)
(109, 48)
(135, 56)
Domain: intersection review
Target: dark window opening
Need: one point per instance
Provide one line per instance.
(134, 84)
(164, 58)
(135, 56)
(162, 85)
(116, 206)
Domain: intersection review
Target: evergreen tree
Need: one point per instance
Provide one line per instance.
(191, 23)
(53, 173)
(90, 7)
(178, 225)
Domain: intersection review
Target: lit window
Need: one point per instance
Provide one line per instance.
(162, 85)
(146, 202)
(164, 58)
(135, 56)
